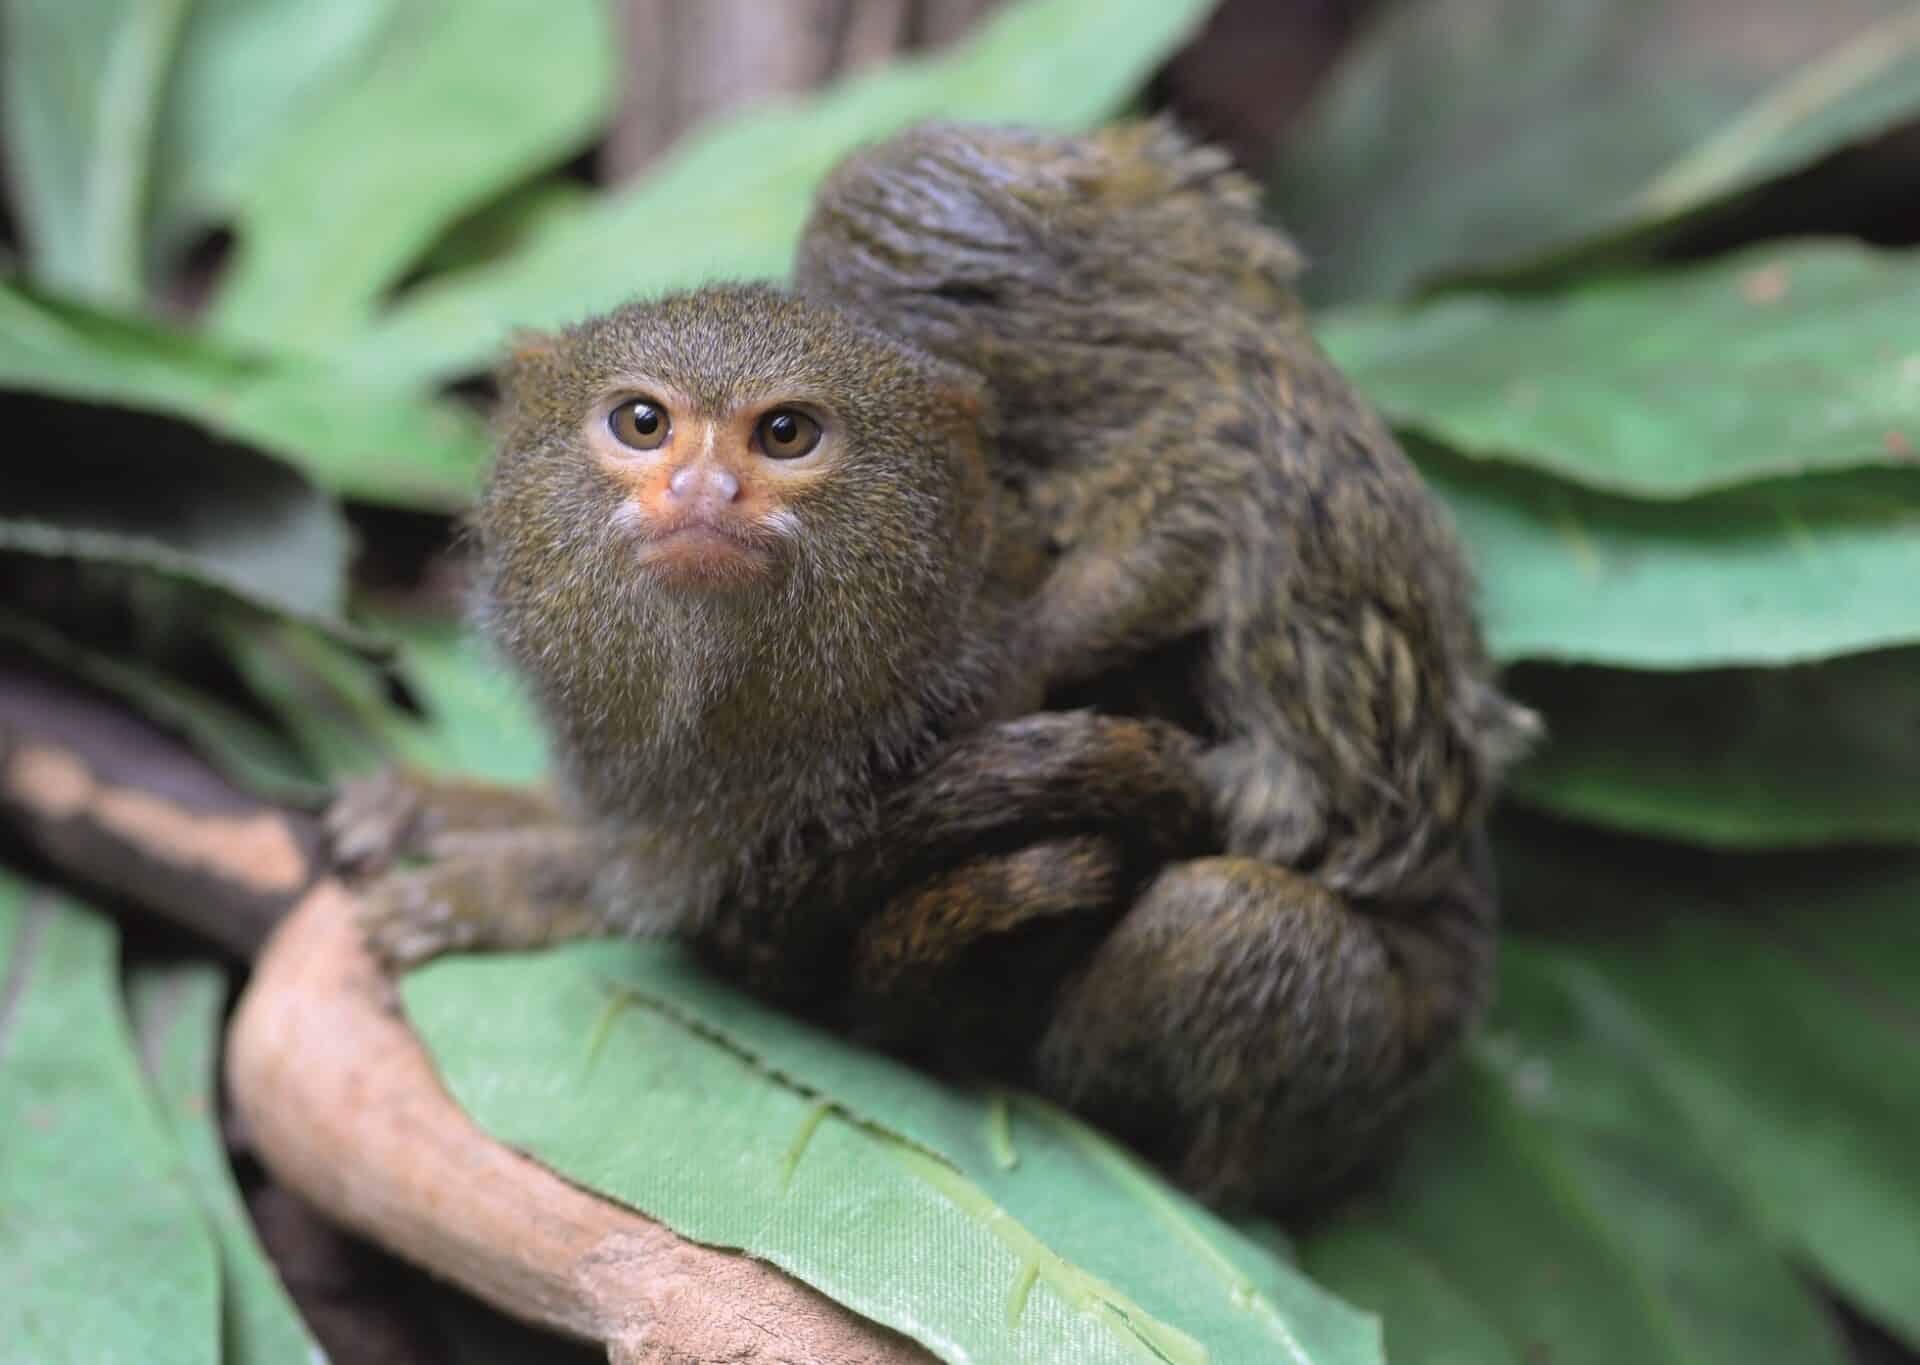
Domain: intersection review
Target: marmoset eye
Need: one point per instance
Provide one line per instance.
(787, 434)
(640, 423)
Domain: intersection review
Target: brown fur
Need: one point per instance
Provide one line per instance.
(1199, 467)
(698, 731)
(1223, 893)
(1240, 545)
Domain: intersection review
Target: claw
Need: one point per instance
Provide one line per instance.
(411, 917)
(374, 821)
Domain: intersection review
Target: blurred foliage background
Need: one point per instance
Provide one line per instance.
(1635, 279)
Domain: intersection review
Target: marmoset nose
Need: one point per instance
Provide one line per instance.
(703, 485)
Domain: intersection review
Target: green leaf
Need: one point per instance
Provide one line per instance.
(177, 1014)
(1778, 360)
(335, 706)
(1484, 1197)
(729, 202)
(1790, 1058)
(130, 489)
(246, 70)
(82, 83)
(342, 712)
(1865, 84)
(1429, 1319)
(1580, 1063)
(102, 1248)
(1017, 1149)
(1766, 1051)
(1820, 754)
(463, 100)
(357, 440)
(1558, 1205)
(500, 228)
(1467, 136)
(478, 719)
(744, 1128)
(1877, 953)
(1771, 573)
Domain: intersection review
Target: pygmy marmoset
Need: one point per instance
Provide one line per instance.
(1016, 645)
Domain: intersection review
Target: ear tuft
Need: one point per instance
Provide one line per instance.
(531, 357)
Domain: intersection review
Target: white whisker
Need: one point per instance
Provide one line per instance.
(627, 516)
(782, 523)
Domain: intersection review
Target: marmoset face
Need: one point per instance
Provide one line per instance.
(707, 494)
(732, 441)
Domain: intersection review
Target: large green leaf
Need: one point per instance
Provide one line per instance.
(246, 70)
(82, 83)
(1469, 135)
(741, 1127)
(1522, 1259)
(1064, 1168)
(504, 226)
(1776, 995)
(730, 201)
(1429, 1319)
(1777, 360)
(116, 486)
(361, 440)
(462, 100)
(1821, 754)
(1811, 1095)
(1771, 573)
(1482, 1198)
(177, 1015)
(103, 1253)
(1557, 1204)
(1578, 1062)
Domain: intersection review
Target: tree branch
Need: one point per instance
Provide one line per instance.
(340, 1099)
(345, 1109)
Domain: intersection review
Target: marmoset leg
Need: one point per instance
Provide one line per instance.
(500, 867)
(1047, 817)
(401, 813)
(959, 970)
(505, 869)
(1255, 1034)
(496, 889)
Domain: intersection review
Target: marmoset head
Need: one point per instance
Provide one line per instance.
(969, 222)
(732, 530)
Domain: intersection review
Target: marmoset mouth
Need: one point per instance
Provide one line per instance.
(702, 554)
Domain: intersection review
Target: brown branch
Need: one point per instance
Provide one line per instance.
(120, 805)
(345, 1108)
(335, 1090)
